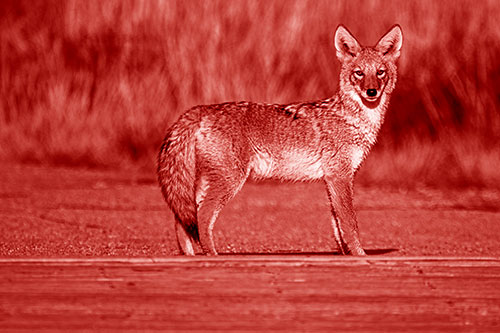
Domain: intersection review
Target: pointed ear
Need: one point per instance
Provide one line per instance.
(347, 46)
(390, 44)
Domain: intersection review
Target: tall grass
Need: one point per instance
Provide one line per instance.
(98, 82)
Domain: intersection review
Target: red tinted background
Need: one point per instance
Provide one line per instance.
(96, 83)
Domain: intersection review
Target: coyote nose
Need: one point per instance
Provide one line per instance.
(371, 92)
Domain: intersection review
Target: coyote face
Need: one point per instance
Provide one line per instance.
(210, 152)
(367, 73)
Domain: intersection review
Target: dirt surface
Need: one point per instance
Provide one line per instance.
(59, 212)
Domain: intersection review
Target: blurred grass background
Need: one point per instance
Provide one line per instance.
(97, 83)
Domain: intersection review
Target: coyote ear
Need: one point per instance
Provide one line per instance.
(347, 46)
(390, 44)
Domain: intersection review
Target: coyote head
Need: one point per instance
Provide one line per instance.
(368, 73)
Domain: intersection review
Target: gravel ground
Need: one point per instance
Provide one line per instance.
(61, 212)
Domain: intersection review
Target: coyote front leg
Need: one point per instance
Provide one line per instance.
(344, 221)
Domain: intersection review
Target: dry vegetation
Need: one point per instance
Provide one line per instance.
(96, 83)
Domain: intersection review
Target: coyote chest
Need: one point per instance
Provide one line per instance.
(292, 165)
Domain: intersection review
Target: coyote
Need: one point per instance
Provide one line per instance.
(209, 153)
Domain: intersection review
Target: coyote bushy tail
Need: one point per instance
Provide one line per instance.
(177, 174)
(209, 153)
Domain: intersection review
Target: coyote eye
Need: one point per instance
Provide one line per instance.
(359, 74)
(380, 73)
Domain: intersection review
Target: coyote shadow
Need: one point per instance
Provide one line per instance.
(370, 252)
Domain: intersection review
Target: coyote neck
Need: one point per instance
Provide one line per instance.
(368, 119)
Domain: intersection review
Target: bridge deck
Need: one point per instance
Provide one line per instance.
(248, 293)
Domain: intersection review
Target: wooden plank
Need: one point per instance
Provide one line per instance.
(239, 293)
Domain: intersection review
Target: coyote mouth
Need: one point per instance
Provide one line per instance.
(371, 100)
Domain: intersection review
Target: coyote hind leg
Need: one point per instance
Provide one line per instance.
(185, 238)
(217, 194)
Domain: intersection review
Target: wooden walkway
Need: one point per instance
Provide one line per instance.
(251, 293)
